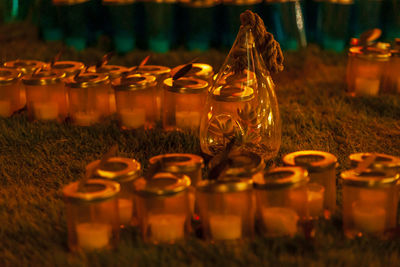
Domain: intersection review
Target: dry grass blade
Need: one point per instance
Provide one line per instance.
(363, 165)
(182, 71)
(142, 63)
(154, 169)
(106, 58)
(56, 58)
(369, 36)
(221, 161)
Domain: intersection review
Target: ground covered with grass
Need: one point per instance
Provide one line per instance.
(38, 159)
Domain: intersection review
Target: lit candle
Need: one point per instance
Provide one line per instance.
(85, 118)
(45, 110)
(187, 119)
(367, 86)
(225, 227)
(369, 219)
(93, 235)
(280, 221)
(133, 118)
(125, 208)
(5, 108)
(166, 227)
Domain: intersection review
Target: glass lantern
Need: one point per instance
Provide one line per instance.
(226, 209)
(184, 101)
(198, 70)
(123, 171)
(135, 101)
(25, 67)
(69, 68)
(9, 91)
(370, 201)
(368, 66)
(163, 207)
(381, 162)
(92, 215)
(321, 167)
(282, 204)
(46, 96)
(89, 100)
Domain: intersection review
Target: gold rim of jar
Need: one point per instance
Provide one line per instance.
(241, 2)
(95, 190)
(117, 168)
(186, 85)
(372, 54)
(244, 164)
(155, 70)
(162, 184)
(70, 68)
(25, 66)
(113, 71)
(225, 185)
(69, 2)
(9, 76)
(43, 78)
(118, 2)
(369, 178)
(134, 82)
(282, 177)
(86, 80)
(382, 161)
(178, 162)
(199, 70)
(200, 3)
(323, 160)
(237, 94)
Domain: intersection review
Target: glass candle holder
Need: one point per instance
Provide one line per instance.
(226, 209)
(68, 68)
(161, 73)
(9, 91)
(25, 67)
(92, 215)
(287, 21)
(367, 67)
(198, 70)
(184, 101)
(136, 106)
(382, 162)
(123, 171)
(163, 207)
(370, 201)
(122, 15)
(282, 204)
(46, 96)
(89, 100)
(321, 167)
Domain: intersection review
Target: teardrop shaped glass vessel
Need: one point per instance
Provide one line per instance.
(242, 104)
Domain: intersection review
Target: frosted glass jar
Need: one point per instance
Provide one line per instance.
(123, 171)
(9, 91)
(89, 100)
(45, 96)
(136, 102)
(226, 209)
(92, 215)
(163, 207)
(198, 70)
(184, 101)
(370, 201)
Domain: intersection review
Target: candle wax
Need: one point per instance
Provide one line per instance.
(125, 208)
(225, 227)
(93, 235)
(367, 86)
(5, 108)
(280, 221)
(45, 110)
(166, 227)
(369, 219)
(85, 118)
(187, 119)
(133, 118)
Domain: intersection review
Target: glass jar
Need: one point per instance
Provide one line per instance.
(392, 71)
(69, 68)
(184, 101)
(321, 167)
(25, 67)
(282, 205)
(163, 207)
(9, 91)
(92, 215)
(370, 201)
(225, 209)
(381, 162)
(46, 96)
(135, 101)
(198, 70)
(123, 171)
(368, 66)
(89, 100)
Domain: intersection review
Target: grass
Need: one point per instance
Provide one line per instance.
(38, 159)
